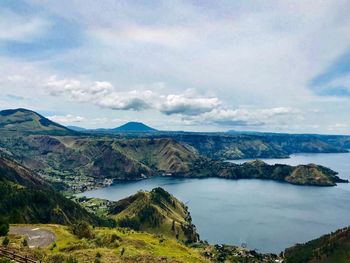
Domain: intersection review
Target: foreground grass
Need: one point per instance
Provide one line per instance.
(109, 245)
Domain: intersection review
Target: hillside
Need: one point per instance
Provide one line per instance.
(156, 212)
(27, 121)
(26, 198)
(109, 245)
(334, 247)
(241, 146)
(164, 155)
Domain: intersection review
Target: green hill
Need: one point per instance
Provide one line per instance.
(26, 198)
(156, 212)
(334, 247)
(27, 121)
(310, 174)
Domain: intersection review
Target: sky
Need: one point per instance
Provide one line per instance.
(281, 66)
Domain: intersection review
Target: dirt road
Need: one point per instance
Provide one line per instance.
(37, 237)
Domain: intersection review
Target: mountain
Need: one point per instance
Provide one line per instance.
(27, 198)
(80, 161)
(265, 145)
(163, 155)
(27, 121)
(334, 247)
(156, 212)
(133, 127)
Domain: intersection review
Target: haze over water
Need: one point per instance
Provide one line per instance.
(266, 215)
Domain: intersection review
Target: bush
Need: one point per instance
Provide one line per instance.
(82, 230)
(25, 242)
(4, 228)
(6, 241)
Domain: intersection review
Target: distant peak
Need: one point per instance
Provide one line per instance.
(134, 126)
(14, 111)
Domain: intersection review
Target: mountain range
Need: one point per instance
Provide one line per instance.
(78, 161)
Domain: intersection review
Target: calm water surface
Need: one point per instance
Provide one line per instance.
(269, 216)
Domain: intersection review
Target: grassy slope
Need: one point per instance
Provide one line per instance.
(334, 247)
(27, 198)
(161, 154)
(137, 247)
(156, 212)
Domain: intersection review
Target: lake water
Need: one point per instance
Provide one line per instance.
(266, 215)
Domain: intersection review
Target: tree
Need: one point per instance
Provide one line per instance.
(4, 228)
(173, 226)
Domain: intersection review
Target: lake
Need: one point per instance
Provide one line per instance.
(266, 215)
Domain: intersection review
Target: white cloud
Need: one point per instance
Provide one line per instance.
(172, 37)
(66, 119)
(103, 94)
(100, 93)
(245, 116)
(187, 105)
(20, 28)
(235, 53)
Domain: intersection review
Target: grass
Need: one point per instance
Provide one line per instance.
(111, 245)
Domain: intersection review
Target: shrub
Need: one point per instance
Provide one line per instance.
(82, 230)
(25, 242)
(4, 228)
(6, 241)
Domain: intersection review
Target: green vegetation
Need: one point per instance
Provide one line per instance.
(4, 228)
(225, 253)
(26, 198)
(334, 247)
(82, 230)
(155, 212)
(111, 245)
